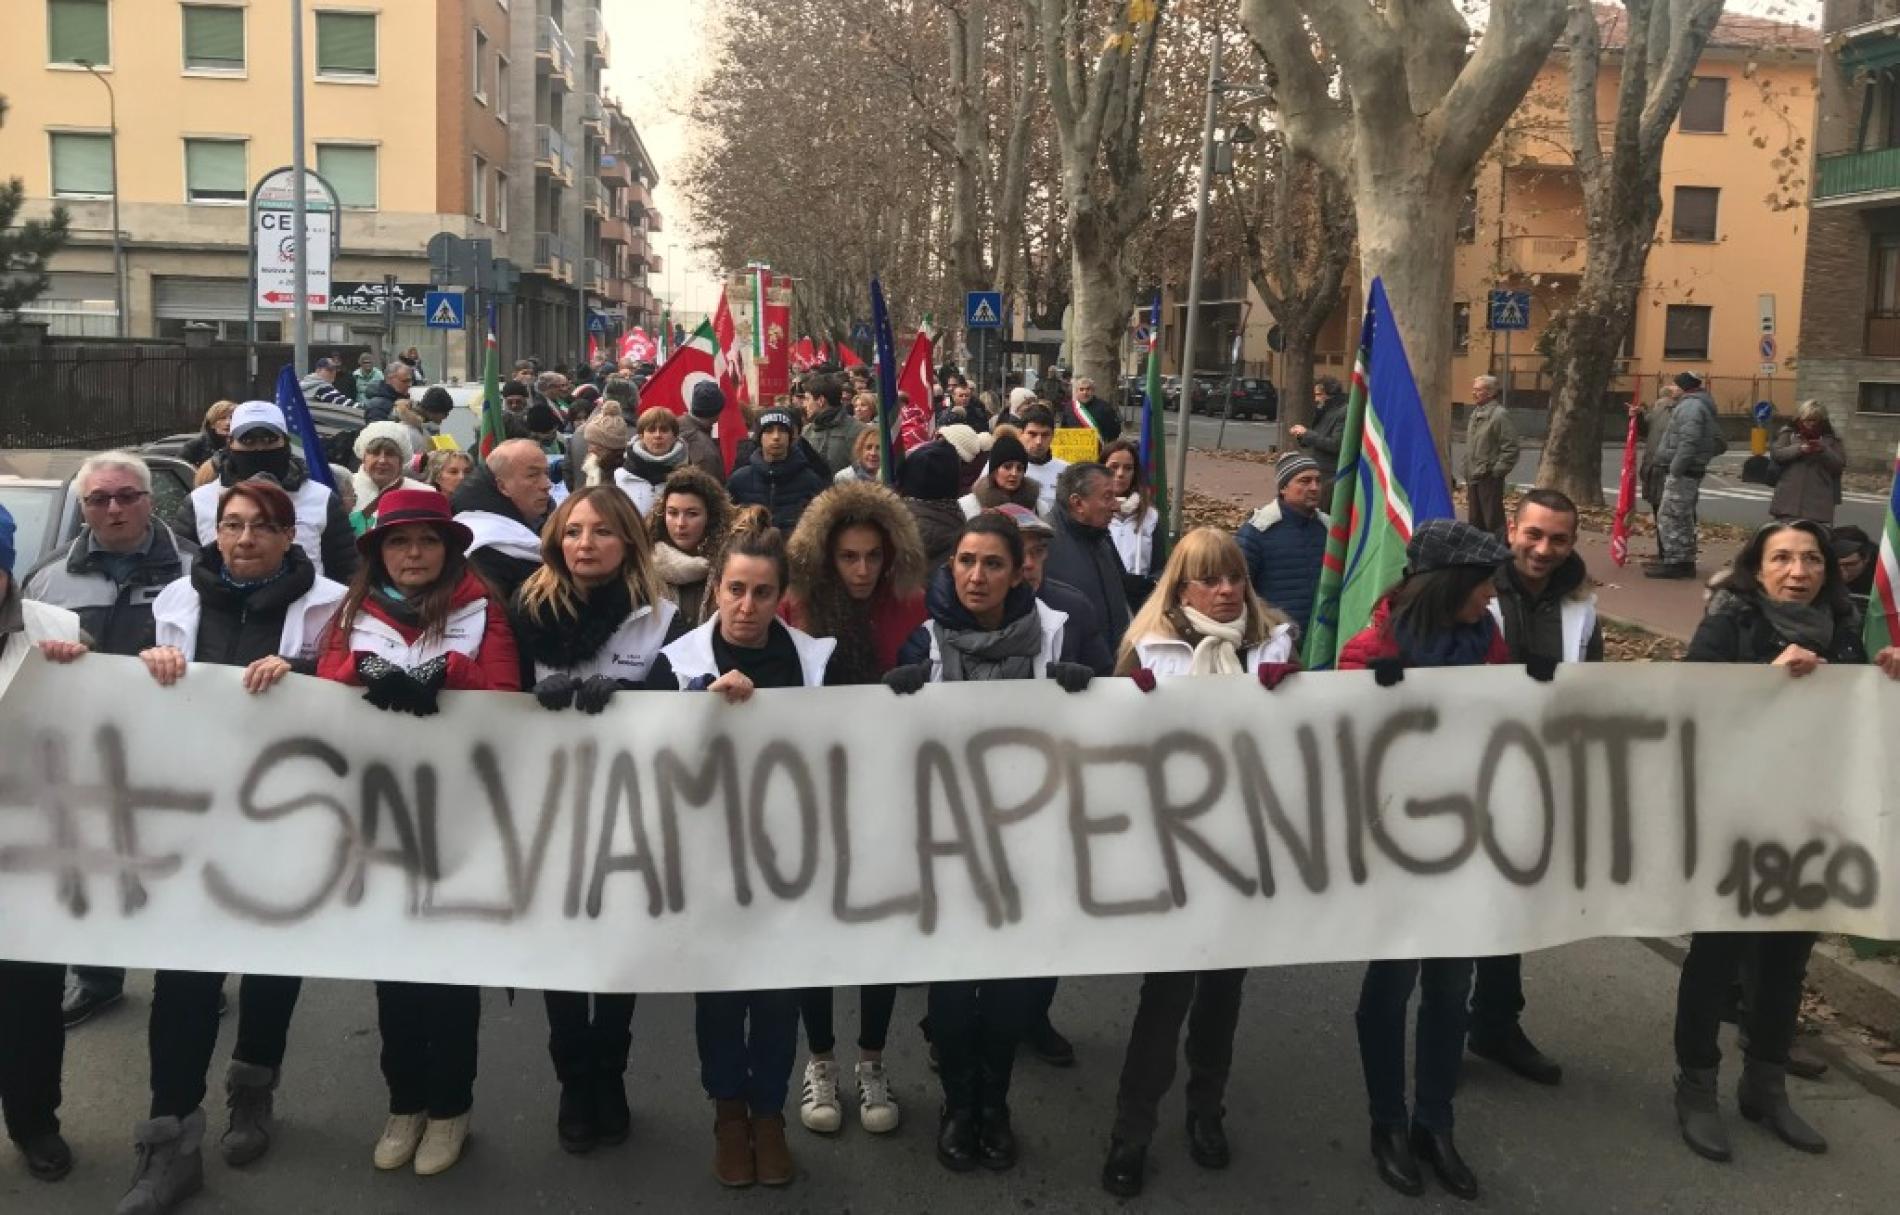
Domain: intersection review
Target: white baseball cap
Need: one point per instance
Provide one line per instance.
(253, 415)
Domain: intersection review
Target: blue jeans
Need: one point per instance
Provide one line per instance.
(748, 1042)
(1440, 1044)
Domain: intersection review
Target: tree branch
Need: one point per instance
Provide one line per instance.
(1509, 56)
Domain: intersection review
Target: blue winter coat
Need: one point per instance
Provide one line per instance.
(1284, 550)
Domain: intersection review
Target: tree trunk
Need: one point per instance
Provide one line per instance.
(1296, 375)
(1589, 337)
(1408, 237)
(1100, 301)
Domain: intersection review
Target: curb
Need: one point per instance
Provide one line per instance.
(1867, 992)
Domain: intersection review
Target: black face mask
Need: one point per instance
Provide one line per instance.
(247, 464)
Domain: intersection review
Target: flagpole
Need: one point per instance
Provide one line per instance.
(300, 210)
(1177, 517)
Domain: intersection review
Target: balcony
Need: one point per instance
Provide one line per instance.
(1858, 179)
(594, 115)
(553, 54)
(1883, 335)
(551, 257)
(655, 265)
(1544, 256)
(593, 273)
(637, 249)
(639, 200)
(615, 171)
(1546, 144)
(594, 197)
(653, 220)
(594, 30)
(552, 155)
(616, 231)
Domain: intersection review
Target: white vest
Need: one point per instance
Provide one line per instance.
(313, 512)
(643, 493)
(176, 612)
(1135, 540)
(1167, 656)
(1579, 624)
(463, 635)
(44, 622)
(691, 656)
(628, 654)
(509, 537)
(1044, 475)
(1052, 621)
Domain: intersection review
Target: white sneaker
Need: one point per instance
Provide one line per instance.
(819, 1109)
(441, 1145)
(877, 1109)
(401, 1134)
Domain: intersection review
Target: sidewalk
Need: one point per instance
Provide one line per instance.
(1667, 608)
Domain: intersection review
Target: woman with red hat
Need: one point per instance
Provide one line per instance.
(417, 620)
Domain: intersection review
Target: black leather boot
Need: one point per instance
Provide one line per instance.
(48, 1158)
(995, 1139)
(1207, 1141)
(612, 1117)
(577, 1123)
(1513, 1050)
(1437, 1149)
(956, 1139)
(1697, 1115)
(1125, 1169)
(1392, 1153)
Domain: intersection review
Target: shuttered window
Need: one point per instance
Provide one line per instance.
(214, 171)
(346, 45)
(214, 38)
(1705, 105)
(351, 171)
(79, 30)
(1693, 217)
(82, 165)
(1686, 332)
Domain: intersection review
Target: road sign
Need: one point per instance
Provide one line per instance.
(596, 323)
(1767, 369)
(445, 310)
(1767, 347)
(983, 310)
(1510, 310)
(276, 239)
(1763, 412)
(861, 332)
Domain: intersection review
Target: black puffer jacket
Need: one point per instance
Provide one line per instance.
(785, 488)
(1737, 630)
(1534, 623)
(237, 627)
(1085, 558)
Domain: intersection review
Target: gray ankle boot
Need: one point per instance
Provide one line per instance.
(1763, 1096)
(170, 1166)
(1697, 1115)
(248, 1091)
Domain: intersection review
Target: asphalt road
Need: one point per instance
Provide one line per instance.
(1725, 497)
(1604, 1142)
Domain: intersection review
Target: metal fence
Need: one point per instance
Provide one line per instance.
(99, 395)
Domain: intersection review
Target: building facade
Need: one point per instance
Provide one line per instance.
(1850, 324)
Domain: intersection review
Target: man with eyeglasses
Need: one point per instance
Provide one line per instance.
(260, 447)
(109, 576)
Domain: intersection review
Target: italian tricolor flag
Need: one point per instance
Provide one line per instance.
(1882, 627)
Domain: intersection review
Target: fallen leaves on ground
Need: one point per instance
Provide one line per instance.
(1203, 511)
(1622, 643)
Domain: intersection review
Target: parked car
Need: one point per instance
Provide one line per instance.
(1171, 393)
(1256, 399)
(37, 487)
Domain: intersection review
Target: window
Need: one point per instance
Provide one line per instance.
(1468, 219)
(79, 31)
(501, 202)
(1704, 105)
(1880, 398)
(346, 46)
(1886, 293)
(215, 171)
(351, 171)
(477, 70)
(1686, 332)
(478, 192)
(82, 165)
(1693, 218)
(1461, 327)
(214, 38)
(501, 88)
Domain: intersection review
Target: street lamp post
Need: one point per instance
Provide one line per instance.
(118, 232)
(300, 204)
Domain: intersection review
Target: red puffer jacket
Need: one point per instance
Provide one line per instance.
(1375, 642)
(495, 666)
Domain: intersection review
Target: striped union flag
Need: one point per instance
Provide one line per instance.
(1882, 627)
(1389, 479)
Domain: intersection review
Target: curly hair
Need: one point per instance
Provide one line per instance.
(688, 479)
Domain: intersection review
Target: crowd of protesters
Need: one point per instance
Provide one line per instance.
(604, 554)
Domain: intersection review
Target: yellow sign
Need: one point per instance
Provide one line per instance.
(1076, 444)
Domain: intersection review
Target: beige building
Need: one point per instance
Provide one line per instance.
(421, 115)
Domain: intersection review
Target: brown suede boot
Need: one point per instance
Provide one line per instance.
(770, 1152)
(732, 1140)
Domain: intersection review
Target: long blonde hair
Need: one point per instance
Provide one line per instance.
(552, 587)
(1205, 552)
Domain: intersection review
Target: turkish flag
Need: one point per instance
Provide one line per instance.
(695, 361)
(917, 420)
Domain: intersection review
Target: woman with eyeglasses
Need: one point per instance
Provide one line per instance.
(252, 600)
(1202, 619)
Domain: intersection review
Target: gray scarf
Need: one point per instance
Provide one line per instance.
(1808, 625)
(1007, 653)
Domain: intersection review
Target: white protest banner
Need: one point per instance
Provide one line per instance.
(843, 836)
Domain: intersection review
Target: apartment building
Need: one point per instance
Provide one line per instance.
(1850, 322)
(181, 106)
(585, 196)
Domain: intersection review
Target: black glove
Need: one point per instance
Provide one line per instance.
(906, 681)
(382, 680)
(1073, 676)
(595, 691)
(1540, 668)
(699, 683)
(556, 691)
(1388, 671)
(414, 692)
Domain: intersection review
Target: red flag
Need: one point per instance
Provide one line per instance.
(672, 385)
(803, 356)
(636, 345)
(917, 420)
(824, 351)
(732, 379)
(1625, 493)
(775, 368)
(593, 349)
(848, 357)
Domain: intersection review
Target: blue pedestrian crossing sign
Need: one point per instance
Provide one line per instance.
(983, 310)
(861, 332)
(596, 323)
(445, 310)
(1510, 310)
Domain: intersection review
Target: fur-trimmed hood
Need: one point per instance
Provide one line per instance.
(845, 505)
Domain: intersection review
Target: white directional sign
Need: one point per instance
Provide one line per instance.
(276, 241)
